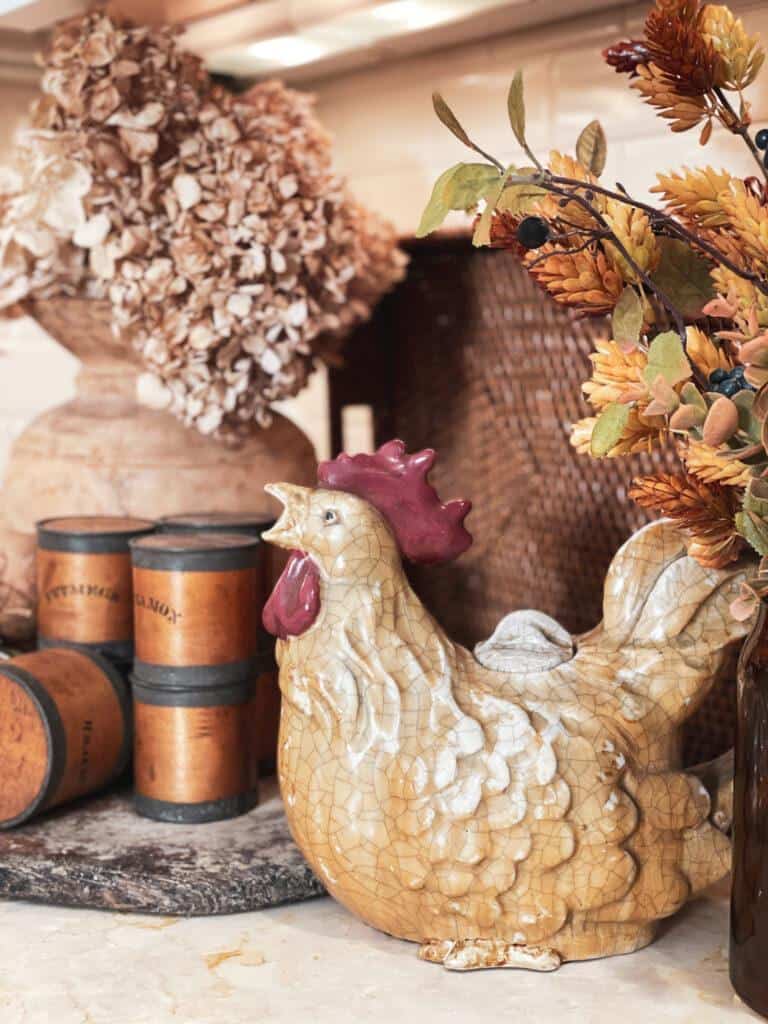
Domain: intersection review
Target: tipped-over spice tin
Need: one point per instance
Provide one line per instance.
(84, 583)
(196, 608)
(194, 761)
(65, 730)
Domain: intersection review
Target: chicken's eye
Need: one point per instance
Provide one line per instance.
(330, 516)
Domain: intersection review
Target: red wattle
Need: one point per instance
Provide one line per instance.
(295, 602)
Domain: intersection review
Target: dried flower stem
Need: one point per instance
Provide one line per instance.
(594, 237)
(658, 219)
(606, 232)
(737, 126)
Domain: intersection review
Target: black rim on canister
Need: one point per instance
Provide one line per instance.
(201, 552)
(215, 522)
(59, 533)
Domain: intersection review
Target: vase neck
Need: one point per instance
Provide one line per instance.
(107, 383)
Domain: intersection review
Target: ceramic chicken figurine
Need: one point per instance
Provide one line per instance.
(516, 807)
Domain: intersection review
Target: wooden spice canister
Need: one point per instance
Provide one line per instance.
(193, 759)
(232, 522)
(65, 729)
(266, 701)
(196, 608)
(84, 583)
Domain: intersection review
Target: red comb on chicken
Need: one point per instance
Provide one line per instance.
(427, 530)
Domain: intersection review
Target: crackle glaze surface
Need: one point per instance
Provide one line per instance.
(514, 817)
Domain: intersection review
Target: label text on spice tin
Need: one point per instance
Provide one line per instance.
(65, 590)
(152, 604)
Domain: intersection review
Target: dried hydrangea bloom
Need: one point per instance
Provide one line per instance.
(230, 251)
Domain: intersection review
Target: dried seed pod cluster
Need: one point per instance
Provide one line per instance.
(230, 251)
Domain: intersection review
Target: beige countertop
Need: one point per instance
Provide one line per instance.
(313, 962)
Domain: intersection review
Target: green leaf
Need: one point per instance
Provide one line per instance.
(461, 187)
(760, 407)
(684, 277)
(690, 395)
(756, 497)
(608, 429)
(449, 119)
(592, 148)
(468, 184)
(666, 357)
(436, 209)
(516, 107)
(520, 199)
(754, 530)
(748, 422)
(752, 522)
(482, 234)
(627, 321)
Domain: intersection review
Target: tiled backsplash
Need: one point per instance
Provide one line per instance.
(391, 147)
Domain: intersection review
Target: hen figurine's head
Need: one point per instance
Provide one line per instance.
(368, 513)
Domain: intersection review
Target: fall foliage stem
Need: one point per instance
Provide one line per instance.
(737, 126)
(657, 216)
(566, 252)
(651, 285)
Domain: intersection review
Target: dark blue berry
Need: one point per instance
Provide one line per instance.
(729, 382)
(532, 232)
(761, 139)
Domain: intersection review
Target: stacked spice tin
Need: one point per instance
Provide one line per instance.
(265, 704)
(84, 584)
(197, 601)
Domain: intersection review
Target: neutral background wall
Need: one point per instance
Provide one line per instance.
(392, 148)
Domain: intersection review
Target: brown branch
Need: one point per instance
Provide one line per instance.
(642, 275)
(658, 217)
(735, 125)
(564, 252)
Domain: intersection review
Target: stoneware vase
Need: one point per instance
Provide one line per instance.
(520, 805)
(103, 453)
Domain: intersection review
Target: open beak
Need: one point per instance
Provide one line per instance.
(286, 533)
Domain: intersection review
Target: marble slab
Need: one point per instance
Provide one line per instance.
(100, 854)
(313, 963)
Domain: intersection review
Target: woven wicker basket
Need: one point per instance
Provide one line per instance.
(468, 356)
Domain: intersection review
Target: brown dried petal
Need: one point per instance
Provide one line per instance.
(105, 99)
(187, 190)
(92, 232)
(139, 146)
(99, 49)
(149, 116)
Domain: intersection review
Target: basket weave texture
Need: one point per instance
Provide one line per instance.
(469, 357)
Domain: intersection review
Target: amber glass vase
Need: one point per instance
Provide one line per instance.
(749, 900)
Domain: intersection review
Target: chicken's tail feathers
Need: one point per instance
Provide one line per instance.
(706, 850)
(657, 595)
(717, 778)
